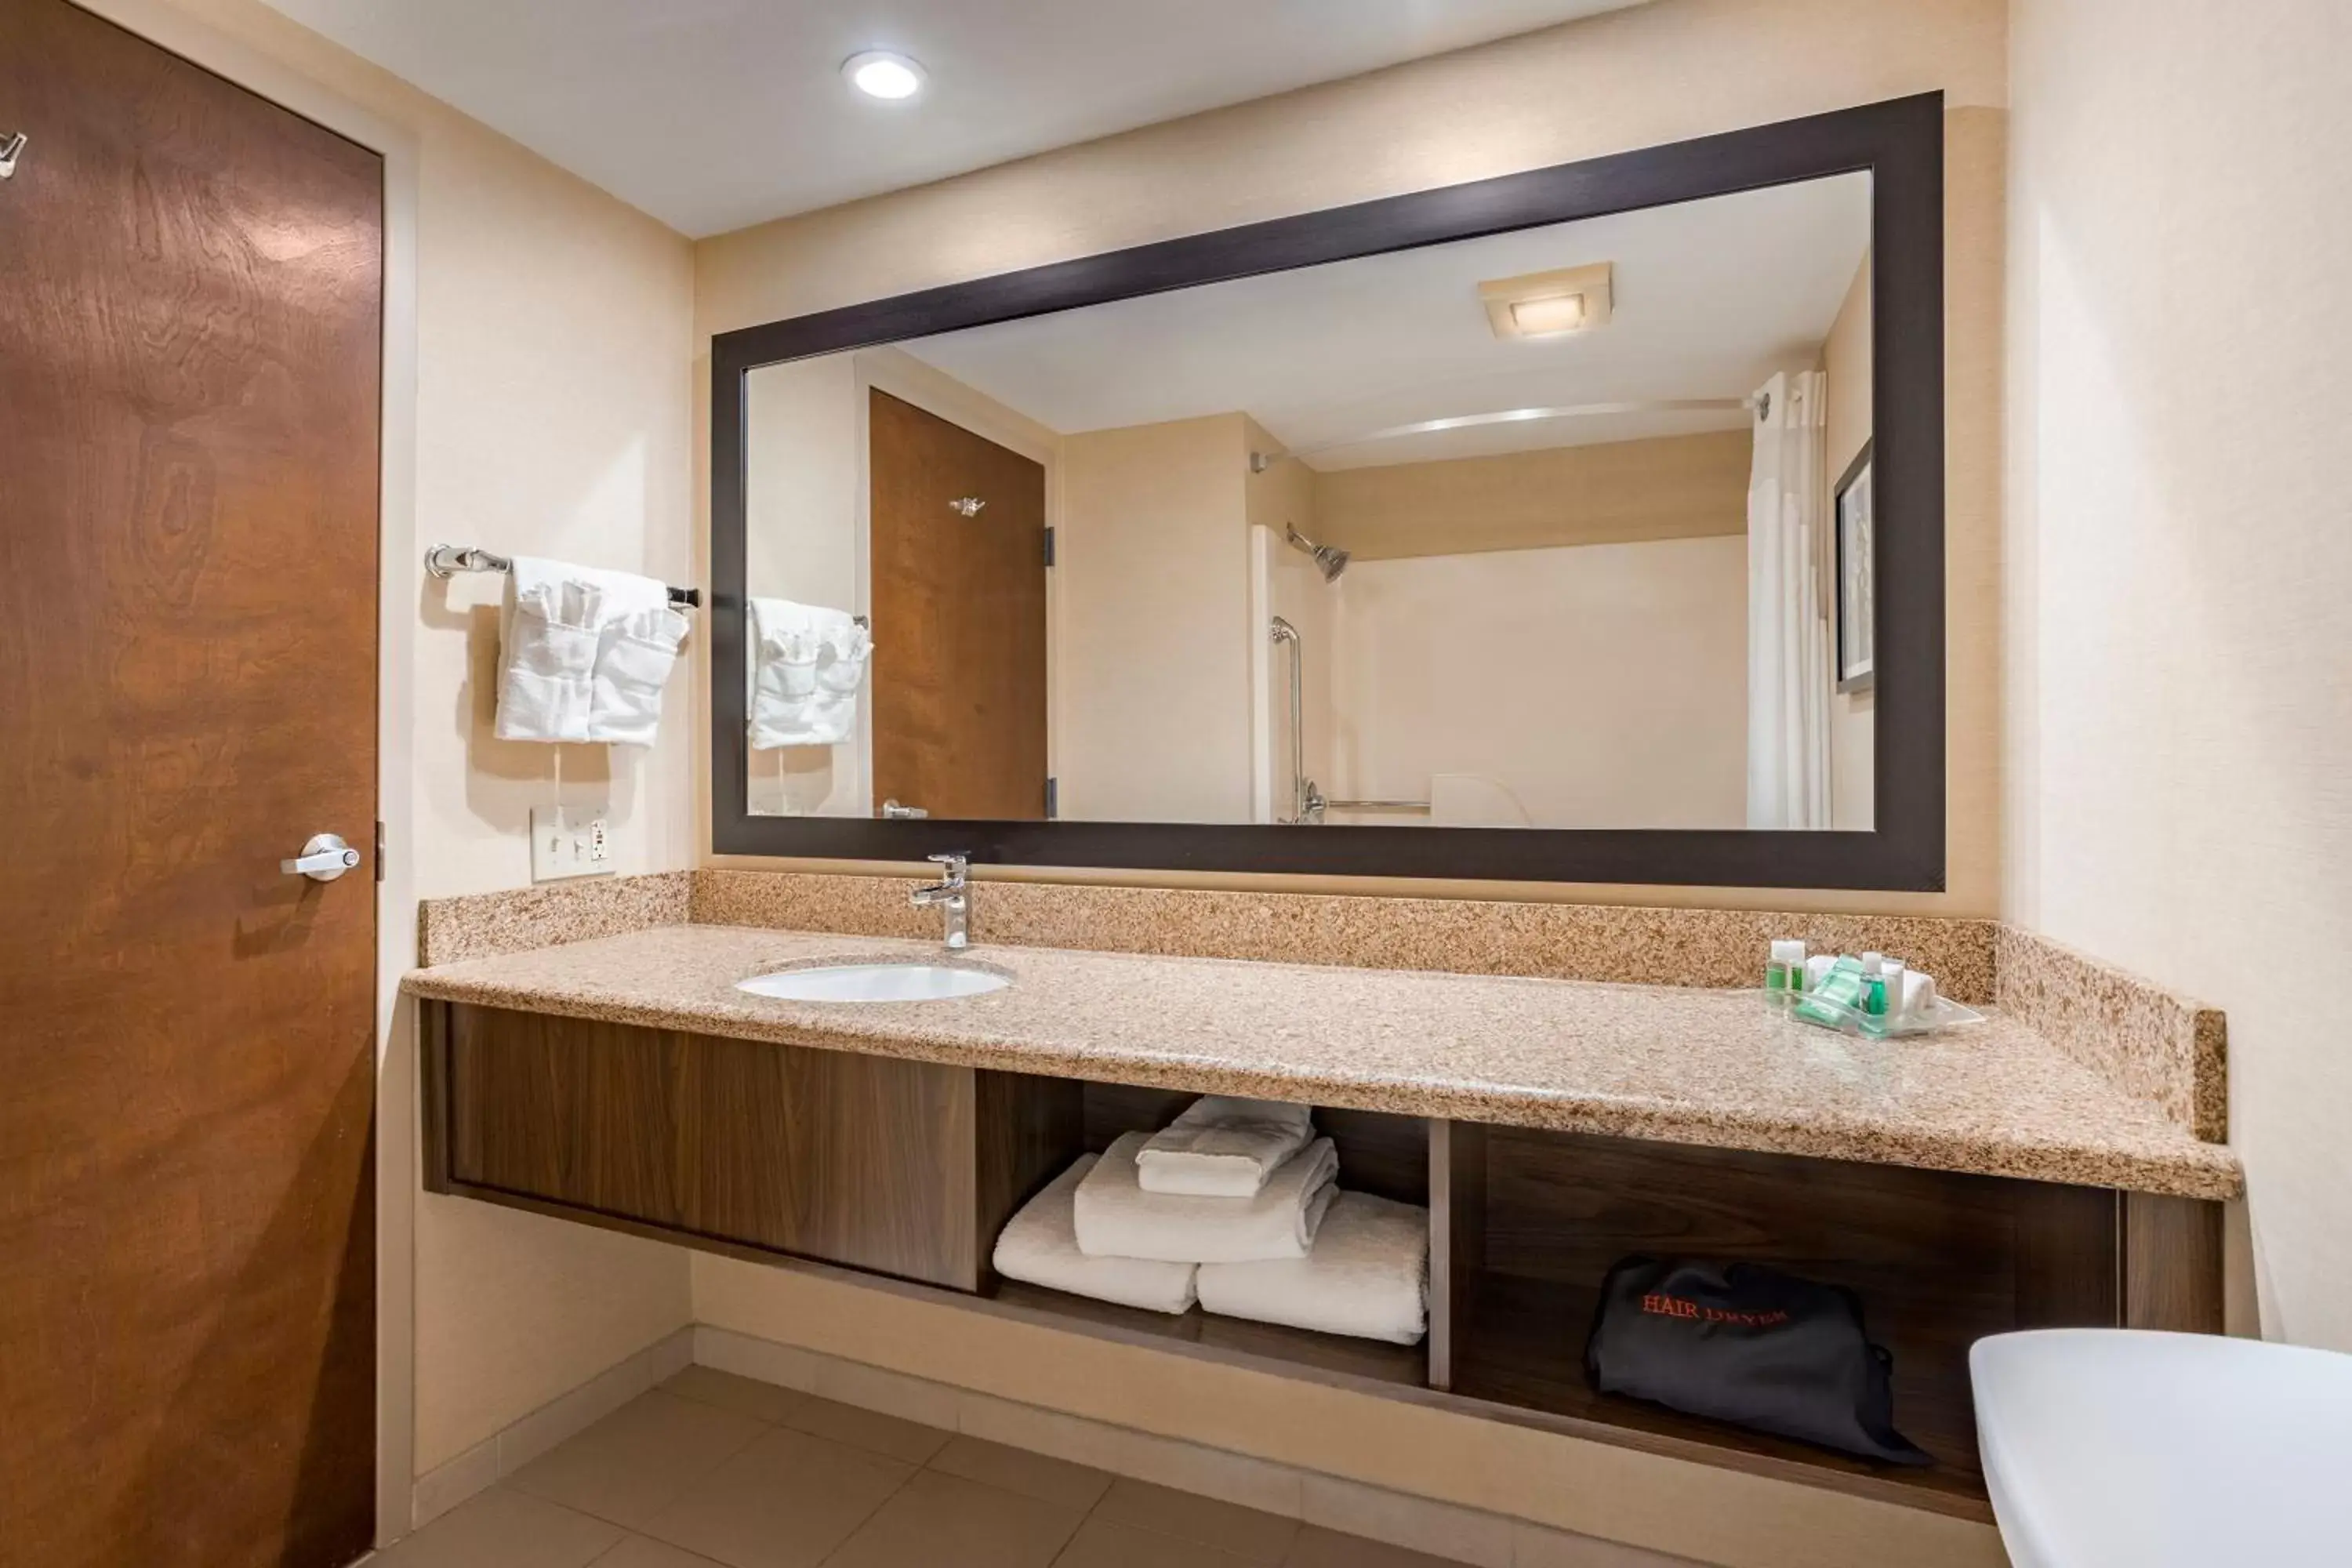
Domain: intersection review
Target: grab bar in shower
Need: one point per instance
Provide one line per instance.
(1401, 807)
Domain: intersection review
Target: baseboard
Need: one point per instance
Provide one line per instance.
(512, 1446)
(1399, 1519)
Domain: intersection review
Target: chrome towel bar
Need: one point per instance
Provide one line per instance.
(448, 560)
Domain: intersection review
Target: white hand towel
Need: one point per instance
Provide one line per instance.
(1368, 1276)
(1117, 1218)
(549, 628)
(807, 663)
(1040, 1245)
(634, 659)
(1223, 1147)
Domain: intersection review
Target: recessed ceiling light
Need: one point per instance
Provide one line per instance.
(878, 73)
(1549, 304)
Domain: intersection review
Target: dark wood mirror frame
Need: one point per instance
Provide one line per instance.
(1900, 143)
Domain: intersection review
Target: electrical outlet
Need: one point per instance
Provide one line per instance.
(573, 842)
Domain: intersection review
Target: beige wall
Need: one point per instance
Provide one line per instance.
(550, 345)
(1604, 685)
(1154, 604)
(1656, 73)
(1846, 358)
(2179, 671)
(1611, 492)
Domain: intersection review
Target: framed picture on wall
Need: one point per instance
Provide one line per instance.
(1856, 604)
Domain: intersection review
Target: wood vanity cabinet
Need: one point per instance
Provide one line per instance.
(804, 1157)
(902, 1168)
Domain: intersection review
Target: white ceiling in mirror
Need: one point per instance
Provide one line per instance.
(1710, 299)
(714, 114)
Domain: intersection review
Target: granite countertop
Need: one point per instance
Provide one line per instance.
(1660, 1062)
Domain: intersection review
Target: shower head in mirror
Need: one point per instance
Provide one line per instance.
(1330, 558)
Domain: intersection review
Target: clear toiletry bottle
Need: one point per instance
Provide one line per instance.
(1784, 973)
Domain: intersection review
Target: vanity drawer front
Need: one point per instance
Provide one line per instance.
(863, 1161)
(568, 1111)
(869, 1161)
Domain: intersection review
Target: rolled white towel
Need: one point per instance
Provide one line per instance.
(1368, 1275)
(1040, 1245)
(1223, 1147)
(1117, 1218)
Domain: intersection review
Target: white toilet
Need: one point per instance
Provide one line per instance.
(2119, 1448)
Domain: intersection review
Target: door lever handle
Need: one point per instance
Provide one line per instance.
(323, 859)
(11, 148)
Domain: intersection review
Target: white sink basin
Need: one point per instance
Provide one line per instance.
(913, 981)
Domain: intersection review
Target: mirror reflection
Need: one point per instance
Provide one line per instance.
(1563, 527)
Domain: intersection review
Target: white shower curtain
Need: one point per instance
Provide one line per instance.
(1787, 612)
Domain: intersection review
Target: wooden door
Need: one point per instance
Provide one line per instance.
(190, 287)
(959, 607)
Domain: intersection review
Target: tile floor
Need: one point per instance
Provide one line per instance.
(716, 1471)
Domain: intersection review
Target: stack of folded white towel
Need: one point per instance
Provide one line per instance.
(1235, 1205)
(584, 654)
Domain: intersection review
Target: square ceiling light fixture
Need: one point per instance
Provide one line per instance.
(1549, 304)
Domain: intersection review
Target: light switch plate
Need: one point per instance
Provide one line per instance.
(569, 841)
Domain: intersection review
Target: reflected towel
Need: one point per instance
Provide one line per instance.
(807, 663)
(1224, 1147)
(1040, 1245)
(1368, 1276)
(1117, 1218)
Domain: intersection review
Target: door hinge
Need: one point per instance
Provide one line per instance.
(1049, 547)
(1053, 797)
(379, 851)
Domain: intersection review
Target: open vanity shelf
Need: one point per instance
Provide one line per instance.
(904, 1170)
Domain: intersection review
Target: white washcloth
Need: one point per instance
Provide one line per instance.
(1223, 1148)
(807, 663)
(1040, 1245)
(1117, 1218)
(1368, 1276)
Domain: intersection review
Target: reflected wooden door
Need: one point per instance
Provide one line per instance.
(190, 331)
(959, 608)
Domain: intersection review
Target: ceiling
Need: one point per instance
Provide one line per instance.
(1710, 299)
(715, 114)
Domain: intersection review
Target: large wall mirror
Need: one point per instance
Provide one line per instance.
(1578, 525)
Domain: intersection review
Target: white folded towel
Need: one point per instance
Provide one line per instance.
(634, 658)
(1040, 1245)
(1117, 1218)
(1367, 1276)
(807, 663)
(1223, 1147)
(583, 653)
(549, 626)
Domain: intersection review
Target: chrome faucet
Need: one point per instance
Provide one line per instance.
(952, 893)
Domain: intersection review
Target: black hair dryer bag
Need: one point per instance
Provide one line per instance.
(1750, 1345)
